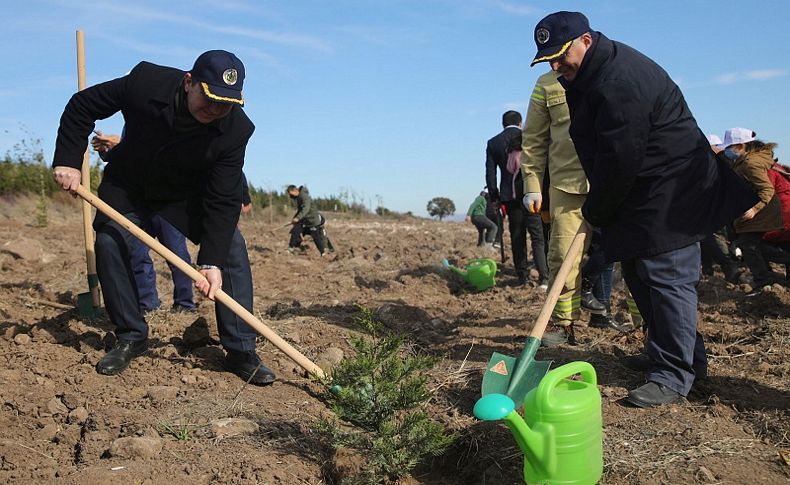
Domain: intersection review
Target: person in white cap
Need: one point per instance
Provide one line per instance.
(715, 247)
(752, 159)
(715, 143)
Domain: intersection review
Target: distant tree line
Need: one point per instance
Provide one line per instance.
(23, 170)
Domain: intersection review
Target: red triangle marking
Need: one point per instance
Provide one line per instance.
(500, 368)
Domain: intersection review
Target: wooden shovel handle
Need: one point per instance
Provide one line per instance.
(220, 296)
(90, 255)
(559, 281)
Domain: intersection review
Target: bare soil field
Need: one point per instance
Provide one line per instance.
(59, 418)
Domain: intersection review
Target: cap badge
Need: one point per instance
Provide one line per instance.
(230, 76)
(542, 35)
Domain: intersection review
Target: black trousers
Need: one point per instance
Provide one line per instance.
(486, 229)
(520, 222)
(664, 288)
(757, 253)
(113, 265)
(714, 250)
(316, 232)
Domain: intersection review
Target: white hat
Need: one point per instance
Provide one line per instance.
(714, 140)
(734, 136)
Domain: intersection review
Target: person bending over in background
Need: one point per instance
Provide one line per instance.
(486, 228)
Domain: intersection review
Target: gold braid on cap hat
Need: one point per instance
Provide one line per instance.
(555, 55)
(214, 97)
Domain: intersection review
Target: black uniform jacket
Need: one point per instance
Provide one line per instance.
(655, 184)
(496, 156)
(193, 179)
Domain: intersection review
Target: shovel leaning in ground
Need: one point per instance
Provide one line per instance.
(220, 296)
(516, 376)
(89, 303)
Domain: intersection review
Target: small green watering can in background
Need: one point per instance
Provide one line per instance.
(479, 272)
(561, 433)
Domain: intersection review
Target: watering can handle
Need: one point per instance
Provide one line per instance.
(559, 281)
(556, 376)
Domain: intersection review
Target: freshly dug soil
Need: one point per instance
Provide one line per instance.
(59, 419)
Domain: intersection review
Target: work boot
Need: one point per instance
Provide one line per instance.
(247, 364)
(121, 355)
(589, 302)
(606, 321)
(652, 394)
(559, 335)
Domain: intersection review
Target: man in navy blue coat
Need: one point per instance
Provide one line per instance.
(509, 194)
(656, 189)
(181, 157)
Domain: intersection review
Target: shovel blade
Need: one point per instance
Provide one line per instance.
(499, 371)
(515, 377)
(85, 306)
(535, 372)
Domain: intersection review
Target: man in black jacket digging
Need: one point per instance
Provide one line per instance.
(656, 189)
(181, 157)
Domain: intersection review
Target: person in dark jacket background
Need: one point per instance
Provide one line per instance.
(307, 220)
(181, 156)
(509, 193)
(656, 189)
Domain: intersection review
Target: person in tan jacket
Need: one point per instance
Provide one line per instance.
(547, 147)
(751, 159)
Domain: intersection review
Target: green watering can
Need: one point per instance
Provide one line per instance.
(561, 433)
(479, 272)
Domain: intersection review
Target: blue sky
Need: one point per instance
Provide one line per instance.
(392, 99)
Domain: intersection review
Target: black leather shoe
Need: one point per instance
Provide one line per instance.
(652, 395)
(591, 304)
(606, 321)
(121, 355)
(249, 367)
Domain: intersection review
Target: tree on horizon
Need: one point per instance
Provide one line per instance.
(440, 207)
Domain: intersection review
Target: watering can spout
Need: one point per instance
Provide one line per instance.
(454, 269)
(536, 444)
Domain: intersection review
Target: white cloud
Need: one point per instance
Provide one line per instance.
(128, 11)
(757, 75)
(765, 74)
(519, 106)
(516, 8)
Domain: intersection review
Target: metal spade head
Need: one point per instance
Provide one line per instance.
(515, 376)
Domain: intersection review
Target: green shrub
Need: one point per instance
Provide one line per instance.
(379, 394)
